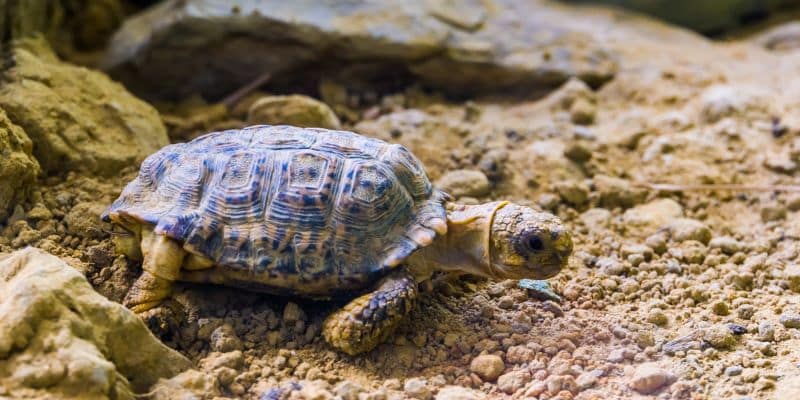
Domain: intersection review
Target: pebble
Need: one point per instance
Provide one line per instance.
(720, 337)
(657, 317)
(792, 274)
(459, 393)
(653, 215)
(464, 182)
(224, 339)
(573, 192)
(512, 381)
(292, 313)
(766, 331)
(683, 229)
(487, 366)
(788, 388)
(648, 378)
(727, 244)
(588, 378)
(773, 213)
(615, 192)
(347, 390)
(417, 388)
(790, 320)
(297, 110)
(720, 308)
(734, 370)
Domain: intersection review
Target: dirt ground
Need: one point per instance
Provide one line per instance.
(670, 294)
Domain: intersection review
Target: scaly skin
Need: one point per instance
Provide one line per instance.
(369, 320)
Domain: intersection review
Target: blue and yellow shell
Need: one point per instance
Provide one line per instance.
(285, 207)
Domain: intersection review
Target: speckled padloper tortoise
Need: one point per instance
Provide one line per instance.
(317, 213)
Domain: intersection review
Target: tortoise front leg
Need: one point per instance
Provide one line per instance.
(162, 263)
(368, 320)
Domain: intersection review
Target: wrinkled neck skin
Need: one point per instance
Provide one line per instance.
(465, 247)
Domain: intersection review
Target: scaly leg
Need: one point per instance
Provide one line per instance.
(368, 320)
(162, 263)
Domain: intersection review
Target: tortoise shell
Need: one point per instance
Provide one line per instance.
(313, 211)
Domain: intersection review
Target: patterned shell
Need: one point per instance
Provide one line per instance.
(288, 208)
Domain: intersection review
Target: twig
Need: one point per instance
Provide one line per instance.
(235, 97)
(670, 187)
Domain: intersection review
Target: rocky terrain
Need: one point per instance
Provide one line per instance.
(672, 158)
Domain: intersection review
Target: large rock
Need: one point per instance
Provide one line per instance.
(710, 17)
(61, 339)
(18, 168)
(179, 47)
(84, 24)
(78, 119)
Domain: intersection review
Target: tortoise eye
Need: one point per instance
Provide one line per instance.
(535, 243)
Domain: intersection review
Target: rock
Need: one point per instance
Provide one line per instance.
(347, 390)
(293, 313)
(783, 37)
(727, 244)
(459, 393)
(766, 331)
(78, 119)
(683, 229)
(294, 110)
(720, 337)
(417, 388)
(539, 289)
(464, 182)
(512, 381)
(453, 50)
(83, 219)
(487, 366)
(58, 337)
(191, 384)
(18, 167)
(649, 378)
(573, 192)
(790, 320)
(734, 370)
(773, 213)
(650, 216)
(657, 317)
(792, 274)
(588, 378)
(64, 23)
(615, 192)
(712, 18)
(224, 339)
(720, 101)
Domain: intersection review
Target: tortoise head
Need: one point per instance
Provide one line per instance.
(524, 243)
(502, 240)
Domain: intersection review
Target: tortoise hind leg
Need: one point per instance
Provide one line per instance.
(368, 320)
(162, 263)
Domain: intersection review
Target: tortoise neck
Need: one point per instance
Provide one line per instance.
(465, 248)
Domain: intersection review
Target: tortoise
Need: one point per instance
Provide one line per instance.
(317, 213)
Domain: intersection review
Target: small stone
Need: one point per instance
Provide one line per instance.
(488, 366)
(557, 383)
(683, 229)
(505, 302)
(657, 242)
(224, 339)
(459, 393)
(734, 370)
(720, 337)
(788, 387)
(720, 308)
(790, 320)
(727, 244)
(746, 311)
(464, 182)
(588, 378)
(792, 274)
(297, 110)
(649, 378)
(773, 213)
(610, 266)
(578, 152)
(293, 313)
(766, 331)
(417, 388)
(657, 317)
(347, 390)
(573, 192)
(539, 289)
(512, 381)
(615, 192)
